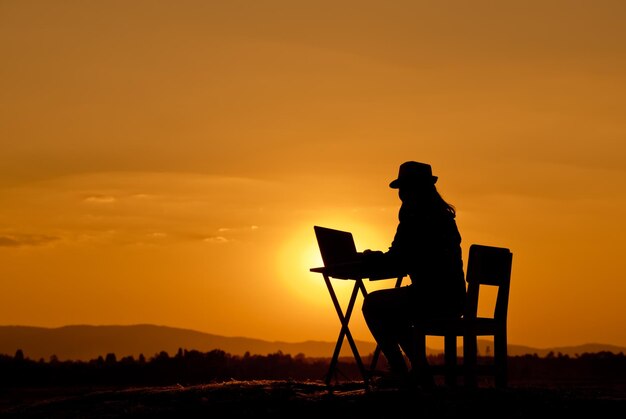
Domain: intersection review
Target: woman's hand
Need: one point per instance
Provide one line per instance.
(369, 254)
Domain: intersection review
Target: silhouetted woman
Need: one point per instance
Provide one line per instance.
(427, 245)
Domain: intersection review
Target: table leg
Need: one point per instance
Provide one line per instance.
(345, 330)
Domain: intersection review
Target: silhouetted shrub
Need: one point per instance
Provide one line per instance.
(189, 367)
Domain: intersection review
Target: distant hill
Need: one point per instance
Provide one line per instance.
(83, 342)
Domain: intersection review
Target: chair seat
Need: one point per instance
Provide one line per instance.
(459, 326)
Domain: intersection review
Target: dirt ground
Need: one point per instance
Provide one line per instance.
(267, 398)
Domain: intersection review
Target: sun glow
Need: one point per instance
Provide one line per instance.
(299, 253)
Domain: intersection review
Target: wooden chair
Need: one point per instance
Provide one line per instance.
(487, 265)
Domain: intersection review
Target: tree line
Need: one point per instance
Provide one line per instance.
(186, 367)
(189, 367)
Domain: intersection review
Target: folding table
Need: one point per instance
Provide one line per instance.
(357, 272)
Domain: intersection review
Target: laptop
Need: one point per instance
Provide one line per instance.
(342, 260)
(336, 247)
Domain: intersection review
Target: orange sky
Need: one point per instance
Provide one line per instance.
(165, 161)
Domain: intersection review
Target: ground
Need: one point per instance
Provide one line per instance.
(285, 398)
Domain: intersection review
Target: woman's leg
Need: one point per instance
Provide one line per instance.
(388, 316)
(414, 345)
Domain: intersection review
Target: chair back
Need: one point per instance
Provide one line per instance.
(488, 265)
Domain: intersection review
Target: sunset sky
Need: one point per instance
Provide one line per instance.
(165, 161)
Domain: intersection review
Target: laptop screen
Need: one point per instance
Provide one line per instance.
(336, 246)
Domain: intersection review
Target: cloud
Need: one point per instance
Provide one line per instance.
(237, 229)
(100, 199)
(229, 230)
(157, 235)
(216, 239)
(143, 196)
(18, 240)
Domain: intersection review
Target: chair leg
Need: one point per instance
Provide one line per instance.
(418, 357)
(470, 355)
(500, 358)
(420, 367)
(450, 360)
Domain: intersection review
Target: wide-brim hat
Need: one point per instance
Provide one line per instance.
(414, 173)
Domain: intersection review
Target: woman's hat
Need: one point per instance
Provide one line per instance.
(412, 172)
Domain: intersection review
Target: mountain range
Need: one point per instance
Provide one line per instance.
(86, 342)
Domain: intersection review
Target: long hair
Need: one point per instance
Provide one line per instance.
(441, 204)
(431, 199)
